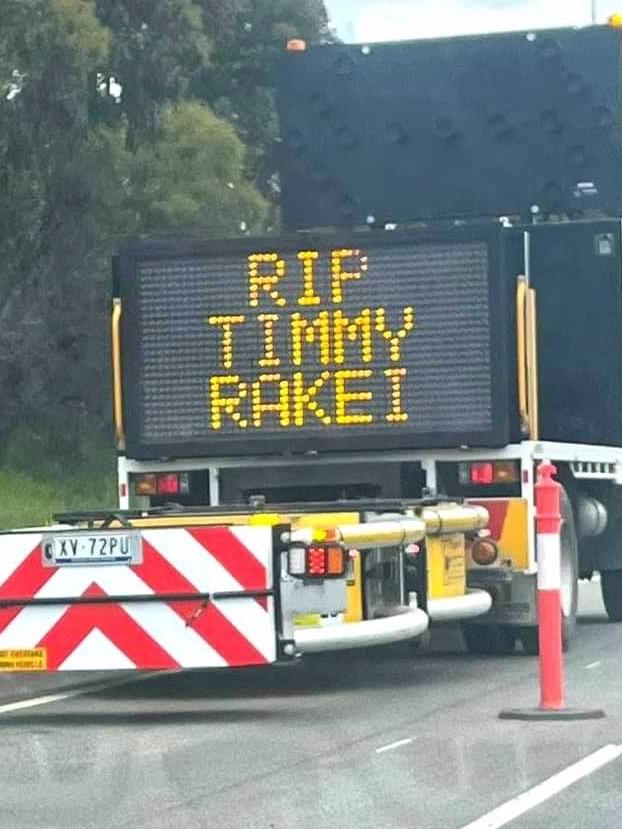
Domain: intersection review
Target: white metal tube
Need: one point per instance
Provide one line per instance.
(457, 608)
(214, 486)
(408, 625)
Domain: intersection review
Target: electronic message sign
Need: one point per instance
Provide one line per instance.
(381, 340)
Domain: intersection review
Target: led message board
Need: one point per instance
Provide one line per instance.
(279, 345)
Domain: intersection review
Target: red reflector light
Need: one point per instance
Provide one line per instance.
(486, 473)
(168, 484)
(316, 561)
(482, 473)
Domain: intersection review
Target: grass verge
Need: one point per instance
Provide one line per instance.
(31, 501)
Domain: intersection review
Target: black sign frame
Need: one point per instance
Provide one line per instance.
(476, 126)
(256, 444)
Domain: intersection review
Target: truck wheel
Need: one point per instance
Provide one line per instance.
(485, 640)
(569, 584)
(611, 588)
(570, 572)
(529, 640)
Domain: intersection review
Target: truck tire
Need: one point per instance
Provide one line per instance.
(489, 640)
(611, 589)
(569, 584)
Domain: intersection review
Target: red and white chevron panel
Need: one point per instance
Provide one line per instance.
(186, 633)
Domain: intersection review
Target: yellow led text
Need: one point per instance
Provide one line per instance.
(227, 323)
(337, 397)
(292, 358)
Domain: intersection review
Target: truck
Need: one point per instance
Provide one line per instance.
(329, 438)
(501, 156)
(442, 313)
(239, 539)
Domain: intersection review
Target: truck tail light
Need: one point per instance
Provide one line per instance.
(163, 483)
(318, 561)
(168, 484)
(335, 561)
(146, 485)
(482, 473)
(484, 551)
(489, 473)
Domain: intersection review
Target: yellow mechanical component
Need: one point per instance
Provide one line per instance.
(521, 352)
(117, 375)
(378, 534)
(158, 522)
(508, 527)
(454, 518)
(514, 539)
(446, 564)
(320, 519)
(532, 366)
(527, 356)
(256, 519)
(354, 590)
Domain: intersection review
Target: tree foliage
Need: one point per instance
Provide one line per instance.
(188, 176)
(249, 36)
(118, 118)
(157, 49)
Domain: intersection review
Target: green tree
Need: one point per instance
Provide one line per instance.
(111, 125)
(157, 49)
(248, 38)
(189, 176)
(47, 221)
(80, 168)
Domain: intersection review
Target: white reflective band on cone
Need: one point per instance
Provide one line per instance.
(549, 561)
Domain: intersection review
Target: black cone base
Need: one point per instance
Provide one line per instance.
(551, 714)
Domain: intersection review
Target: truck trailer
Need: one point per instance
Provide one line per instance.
(442, 313)
(328, 438)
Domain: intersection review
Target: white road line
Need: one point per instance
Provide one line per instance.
(507, 812)
(396, 744)
(592, 665)
(35, 702)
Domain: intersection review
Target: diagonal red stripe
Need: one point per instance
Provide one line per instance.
(25, 581)
(79, 620)
(7, 614)
(157, 572)
(497, 511)
(112, 620)
(209, 622)
(233, 556)
(216, 629)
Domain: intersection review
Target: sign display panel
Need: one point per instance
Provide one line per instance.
(300, 345)
(467, 127)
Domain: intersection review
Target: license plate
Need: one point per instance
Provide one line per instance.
(92, 548)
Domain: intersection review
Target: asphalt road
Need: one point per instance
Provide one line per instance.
(382, 739)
